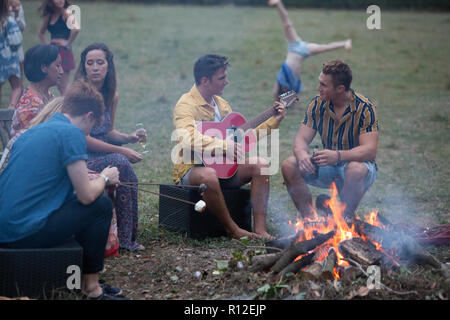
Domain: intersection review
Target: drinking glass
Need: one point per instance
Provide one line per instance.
(140, 132)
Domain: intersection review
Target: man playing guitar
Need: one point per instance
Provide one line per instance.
(203, 103)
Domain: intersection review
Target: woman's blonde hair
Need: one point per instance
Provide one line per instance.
(55, 105)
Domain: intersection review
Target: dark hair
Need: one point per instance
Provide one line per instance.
(340, 72)
(36, 57)
(109, 86)
(208, 65)
(48, 7)
(82, 97)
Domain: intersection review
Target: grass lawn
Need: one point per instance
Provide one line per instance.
(403, 68)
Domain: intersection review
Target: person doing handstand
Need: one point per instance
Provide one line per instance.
(288, 78)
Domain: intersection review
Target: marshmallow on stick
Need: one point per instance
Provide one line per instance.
(200, 206)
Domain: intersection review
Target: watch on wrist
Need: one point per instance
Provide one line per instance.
(105, 178)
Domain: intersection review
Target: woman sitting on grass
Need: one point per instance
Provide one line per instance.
(105, 143)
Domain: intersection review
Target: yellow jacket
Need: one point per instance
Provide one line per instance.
(190, 109)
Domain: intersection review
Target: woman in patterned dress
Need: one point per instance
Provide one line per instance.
(42, 67)
(105, 143)
(10, 41)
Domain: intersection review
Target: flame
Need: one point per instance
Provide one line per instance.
(372, 218)
(343, 232)
(336, 274)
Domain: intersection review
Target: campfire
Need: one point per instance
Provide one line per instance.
(328, 246)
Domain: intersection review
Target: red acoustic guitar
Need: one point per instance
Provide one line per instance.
(235, 125)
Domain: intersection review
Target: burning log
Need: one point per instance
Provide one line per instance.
(300, 248)
(264, 261)
(312, 272)
(283, 243)
(363, 252)
(295, 267)
(402, 244)
(328, 265)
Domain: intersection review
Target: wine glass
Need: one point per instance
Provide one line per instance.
(140, 132)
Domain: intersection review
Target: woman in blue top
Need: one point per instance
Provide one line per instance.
(57, 20)
(288, 77)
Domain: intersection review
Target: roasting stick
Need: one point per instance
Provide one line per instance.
(163, 184)
(199, 206)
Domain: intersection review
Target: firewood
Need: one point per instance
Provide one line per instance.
(420, 255)
(360, 251)
(328, 265)
(402, 244)
(264, 261)
(298, 249)
(295, 267)
(283, 243)
(349, 273)
(312, 272)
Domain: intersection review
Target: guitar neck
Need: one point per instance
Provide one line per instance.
(252, 124)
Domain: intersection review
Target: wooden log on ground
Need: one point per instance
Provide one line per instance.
(312, 272)
(364, 253)
(328, 265)
(264, 261)
(420, 255)
(300, 248)
(283, 243)
(349, 273)
(406, 247)
(296, 266)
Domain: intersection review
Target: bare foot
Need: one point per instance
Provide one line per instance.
(273, 2)
(348, 44)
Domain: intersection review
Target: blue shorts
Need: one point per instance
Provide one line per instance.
(328, 174)
(232, 183)
(299, 47)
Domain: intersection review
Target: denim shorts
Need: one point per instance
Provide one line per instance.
(231, 183)
(299, 47)
(328, 174)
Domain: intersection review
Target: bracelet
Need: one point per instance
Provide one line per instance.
(105, 178)
(338, 162)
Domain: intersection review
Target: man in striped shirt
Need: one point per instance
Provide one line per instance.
(348, 126)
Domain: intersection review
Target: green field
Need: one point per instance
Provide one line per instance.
(403, 68)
